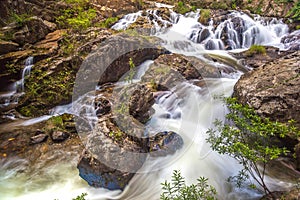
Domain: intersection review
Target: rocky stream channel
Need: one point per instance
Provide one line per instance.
(112, 111)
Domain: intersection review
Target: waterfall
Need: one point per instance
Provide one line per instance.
(16, 89)
(238, 31)
(186, 109)
(26, 71)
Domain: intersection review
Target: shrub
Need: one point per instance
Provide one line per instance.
(247, 138)
(180, 191)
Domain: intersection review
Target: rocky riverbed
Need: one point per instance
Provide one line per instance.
(270, 83)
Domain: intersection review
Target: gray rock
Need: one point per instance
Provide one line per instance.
(59, 136)
(38, 138)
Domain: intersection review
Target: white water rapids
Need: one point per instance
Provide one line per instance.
(189, 114)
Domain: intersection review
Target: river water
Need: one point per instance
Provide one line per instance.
(190, 111)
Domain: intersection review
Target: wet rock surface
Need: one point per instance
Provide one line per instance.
(119, 145)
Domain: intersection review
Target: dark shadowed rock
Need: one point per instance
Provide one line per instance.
(34, 29)
(140, 103)
(6, 47)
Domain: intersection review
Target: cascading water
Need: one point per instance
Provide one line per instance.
(26, 71)
(236, 32)
(11, 97)
(188, 110)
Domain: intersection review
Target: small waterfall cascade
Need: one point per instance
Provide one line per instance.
(126, 21)
(16, 89)
(26, 71)
(238, 31)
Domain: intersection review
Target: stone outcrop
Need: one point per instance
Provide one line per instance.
(257, 59)
(140, 103)
(170, 69)
(118, 145)
(6, 47)
(273, 91)
(34, 29)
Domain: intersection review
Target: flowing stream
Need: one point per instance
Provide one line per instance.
(188, 110)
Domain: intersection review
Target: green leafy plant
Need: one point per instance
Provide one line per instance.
(294, 13)
(178, 190)
(80, 197)
(19, 18)
(130, 76)
(248, 138)
(256, 49)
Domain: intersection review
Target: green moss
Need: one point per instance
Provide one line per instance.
(256, 49)
(183, 8)
(109, 22)
(204, 16)
(297, 27)
(219, 5)
(116, 135)
(56, 121)
(78, 16)
(28, 111)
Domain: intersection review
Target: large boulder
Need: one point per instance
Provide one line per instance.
(119, 143)
(273, 91)
(33, 30)
(6, 47)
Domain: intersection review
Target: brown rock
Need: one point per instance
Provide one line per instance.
(34, 29)
(140, 103)
(6, 47)
(273, 89)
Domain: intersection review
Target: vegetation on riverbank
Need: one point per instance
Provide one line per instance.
(249, 139)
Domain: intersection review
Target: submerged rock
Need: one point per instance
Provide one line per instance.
(165, 143)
